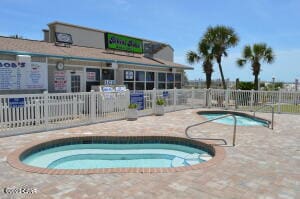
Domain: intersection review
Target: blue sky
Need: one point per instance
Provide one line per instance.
(181, 23)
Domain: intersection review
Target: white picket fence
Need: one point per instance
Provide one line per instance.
(42, 112)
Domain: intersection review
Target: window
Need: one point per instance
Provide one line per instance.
(129, 79)
(161, 80)
(108, 74)
(140, 76)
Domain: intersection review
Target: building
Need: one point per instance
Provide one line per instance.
(72, 58)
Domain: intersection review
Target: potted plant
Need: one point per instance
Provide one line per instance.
(159, 109)
(132, 113)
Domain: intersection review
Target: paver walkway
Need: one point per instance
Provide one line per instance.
(264, 164)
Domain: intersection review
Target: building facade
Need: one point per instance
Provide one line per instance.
(73, 59)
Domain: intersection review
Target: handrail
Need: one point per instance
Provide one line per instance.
(227, 115)
(264, 106)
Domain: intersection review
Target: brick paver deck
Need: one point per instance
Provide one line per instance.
(264, 164)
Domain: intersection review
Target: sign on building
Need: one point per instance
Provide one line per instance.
(123, 43)
(23, 75)
(90, 76)
(60, 81)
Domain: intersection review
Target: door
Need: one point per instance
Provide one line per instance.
(75, 82)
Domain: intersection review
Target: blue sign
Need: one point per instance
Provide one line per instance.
(137, 98)
(16, 102)
(165, 93)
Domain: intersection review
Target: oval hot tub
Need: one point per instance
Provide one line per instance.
(93, 154)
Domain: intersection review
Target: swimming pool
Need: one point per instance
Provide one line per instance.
(242, 118)
(104, 153)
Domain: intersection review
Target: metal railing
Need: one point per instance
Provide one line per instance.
(221, 117)
(265, 106)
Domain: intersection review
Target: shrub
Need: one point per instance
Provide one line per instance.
(132, 106)
(160, 101)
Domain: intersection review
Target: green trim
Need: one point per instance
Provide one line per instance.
(9, 52)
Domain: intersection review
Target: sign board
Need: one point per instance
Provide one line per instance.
(165, 93)
(23, 75)
(90, 76)
(137, 98)
(16, 102)
(107, 89)
(60, 81)
(129, 74)
(123, 43)
(120, 88)
(63, 38)
(109, 82)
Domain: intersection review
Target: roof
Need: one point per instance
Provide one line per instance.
(104, 31)
(45, 49)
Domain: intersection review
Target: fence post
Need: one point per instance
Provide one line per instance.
(226, 98)
(279, 101)
(46, 109)
(93, 106)
(153, 93)
(74, 107)
(37, 113)
(193, 96)
(208, 97)
(251, 101)
(174, 97)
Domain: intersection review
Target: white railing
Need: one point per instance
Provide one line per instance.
(48, 111)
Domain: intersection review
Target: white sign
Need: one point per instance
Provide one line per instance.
(109, 82)
(129, 75)
(90, 76)
(60, 81)
(23, 75)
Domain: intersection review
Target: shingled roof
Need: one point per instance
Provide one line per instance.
(41, 48)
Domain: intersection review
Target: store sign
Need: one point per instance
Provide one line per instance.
(123, 43)
(60, 81)
(90, 76)
(165, 94)
(16, 102)
(23, 75)
(137, 98)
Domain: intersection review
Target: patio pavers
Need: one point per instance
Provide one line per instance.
(264, 164)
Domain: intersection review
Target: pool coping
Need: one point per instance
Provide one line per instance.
(13, 158)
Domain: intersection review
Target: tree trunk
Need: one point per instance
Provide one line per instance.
(256, 82)
(222, 75)
(208, 80)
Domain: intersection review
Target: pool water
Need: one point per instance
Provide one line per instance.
(89, 156)
(241, 120)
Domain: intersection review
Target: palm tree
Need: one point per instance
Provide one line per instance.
(256, 54)
(204, 54)
(220, 38)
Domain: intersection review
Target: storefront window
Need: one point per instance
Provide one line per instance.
(140, 76)
(178, 80)
(150, 76)
(129, 85)
(128, 75)
(139, 86)
(108, 74)
(161, 80)
(170, 77)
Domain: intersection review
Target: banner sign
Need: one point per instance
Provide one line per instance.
(109, 82)
(16, 102)
(137, 98)
(165, 93)
(90, 76)
(60, 81)
(23, 75)
(123, 43)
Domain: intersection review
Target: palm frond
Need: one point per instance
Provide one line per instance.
(192, 57)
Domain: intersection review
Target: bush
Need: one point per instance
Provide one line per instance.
(246, 85)
(160, 101)
(132, 106)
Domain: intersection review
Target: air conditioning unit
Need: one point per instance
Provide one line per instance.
(23, 58)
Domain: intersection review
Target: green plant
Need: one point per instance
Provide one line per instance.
(160, 101)
(256, 54)
(132, 106)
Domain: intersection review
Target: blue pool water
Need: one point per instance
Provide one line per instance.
(241, 120)
(88, 156)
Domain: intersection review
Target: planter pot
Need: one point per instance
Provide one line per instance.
(159, 110)
(132, 114)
